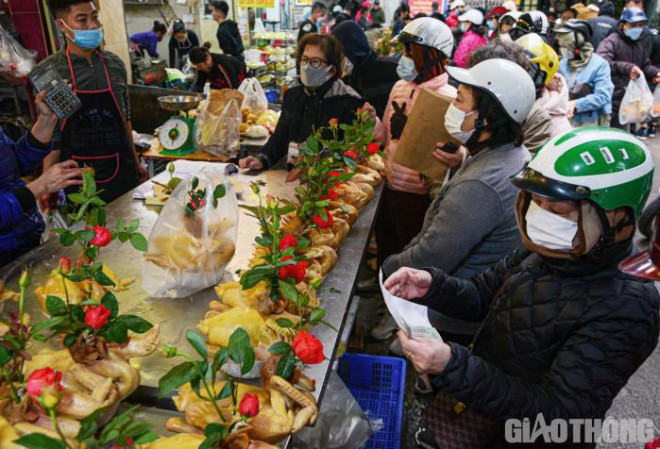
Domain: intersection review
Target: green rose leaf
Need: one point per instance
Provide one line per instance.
(139, 242)
(110, 302)
(197, 343)
(135, 323)
(55, 306)
(40, 441)
(176, 377)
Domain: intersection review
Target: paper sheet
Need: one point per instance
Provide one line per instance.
(411, 317)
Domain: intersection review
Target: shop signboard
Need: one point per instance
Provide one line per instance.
(256, 3)
(417, 6)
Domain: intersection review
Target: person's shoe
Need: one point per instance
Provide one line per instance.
(642, 133)
(385, 327)
(396, 348)
(652, 130)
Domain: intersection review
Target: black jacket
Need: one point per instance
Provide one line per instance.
(227, 72)
(602, 27)
(229, 39)
(178, 50)
(303, 111)
(307, 27)
(560, 339)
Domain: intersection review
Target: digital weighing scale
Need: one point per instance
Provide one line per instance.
(179, 135)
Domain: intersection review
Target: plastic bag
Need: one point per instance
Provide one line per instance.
(220, 134)
(341, 423)
(636, 103)
(255, 98)
(15, 60)
(655, 111)
(188, 251)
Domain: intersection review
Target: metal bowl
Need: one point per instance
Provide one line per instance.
(179, 102)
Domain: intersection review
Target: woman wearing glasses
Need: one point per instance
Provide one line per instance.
(321, 97)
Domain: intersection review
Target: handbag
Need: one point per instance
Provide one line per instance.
(579, 90)
(454, 426)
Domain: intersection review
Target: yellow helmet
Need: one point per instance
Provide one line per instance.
(542, 56)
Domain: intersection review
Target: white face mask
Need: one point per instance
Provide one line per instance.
(464, 26)
(453, 120)
(505, 37)
(550, 230)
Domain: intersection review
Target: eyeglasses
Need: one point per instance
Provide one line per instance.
(314, 63)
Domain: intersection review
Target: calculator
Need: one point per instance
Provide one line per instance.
(59, 96)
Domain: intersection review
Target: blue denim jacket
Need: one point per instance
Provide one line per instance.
(17, 226)
(597, 74)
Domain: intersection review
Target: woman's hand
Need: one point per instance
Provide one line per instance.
(59, 176)
(251, 162)
(635, 73)
(409, 283)
(428, 356)
(404, 179)
(571, 109)
(452, 160)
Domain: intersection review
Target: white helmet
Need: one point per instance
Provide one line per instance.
(506, 81)
(514, 15)
(455, 4)
(430, 32)
(510, 5)
(473, 15)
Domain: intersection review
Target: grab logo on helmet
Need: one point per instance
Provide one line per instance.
(607, 166)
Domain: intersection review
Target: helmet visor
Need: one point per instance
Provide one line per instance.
(535, 182)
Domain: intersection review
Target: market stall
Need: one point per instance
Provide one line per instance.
(314, 267)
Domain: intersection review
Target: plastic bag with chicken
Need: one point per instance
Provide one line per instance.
(15, 61)
(255, 97)
(189, 250)
(220, 134)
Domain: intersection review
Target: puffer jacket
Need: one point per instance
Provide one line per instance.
(469, 43)
(558, 338)
(555, 101)
(405, 93)
(20, 222)
(304, 110)
(596, 73)
(622, 54)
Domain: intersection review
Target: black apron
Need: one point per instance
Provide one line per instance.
(95, 136)
(181, 53)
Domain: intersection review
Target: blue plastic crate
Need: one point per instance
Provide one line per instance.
(378, 384)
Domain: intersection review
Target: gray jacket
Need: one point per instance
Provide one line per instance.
(471, 223)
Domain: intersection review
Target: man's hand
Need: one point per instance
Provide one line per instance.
(635, 73)
(428, 356)
(251, 162)
(143, 173)
(409, 283)
(571, 109)
(44, 112)
(452, 160)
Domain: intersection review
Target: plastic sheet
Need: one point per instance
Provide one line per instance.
(636, 103)
(341, 423)
(189, 253)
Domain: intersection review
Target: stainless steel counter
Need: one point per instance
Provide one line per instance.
(178, 315)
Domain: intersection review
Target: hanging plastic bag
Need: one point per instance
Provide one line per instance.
(636, 103)
(220, 134)
(655, 111)
(341, 423)
(255, 98)
(194, 238)
(15, 61)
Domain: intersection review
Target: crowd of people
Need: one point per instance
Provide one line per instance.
(516, 251)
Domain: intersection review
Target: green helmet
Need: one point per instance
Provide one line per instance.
(608, 166)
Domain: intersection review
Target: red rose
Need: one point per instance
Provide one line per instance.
(320, 222)
(308, 348)
(331, 195)
(195, 206)
(297, 271)
(350, 154)
(334, 174)
(97, 316)
(373, 148)
(653, 444)
(249, 405)
(65, 265)
(45, 385)
(101, 237)
(333, 122)
(288, 241)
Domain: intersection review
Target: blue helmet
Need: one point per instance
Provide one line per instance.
(633, 15)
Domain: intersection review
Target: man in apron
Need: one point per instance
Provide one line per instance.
(98, 135)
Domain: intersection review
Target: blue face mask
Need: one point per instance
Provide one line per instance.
(491, 25)
(634, 33)
(87, 39)
(406, 69)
